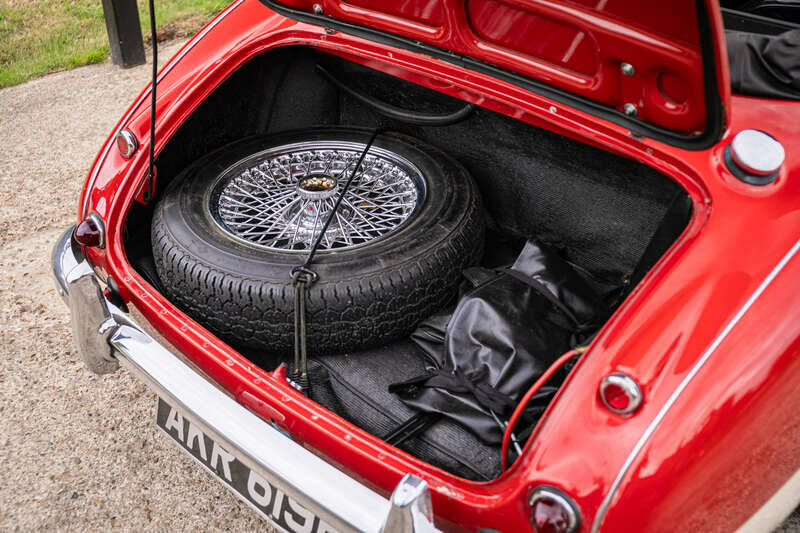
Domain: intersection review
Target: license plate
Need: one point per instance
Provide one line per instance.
(265, 498)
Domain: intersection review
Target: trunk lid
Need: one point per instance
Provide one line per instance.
(656, 68)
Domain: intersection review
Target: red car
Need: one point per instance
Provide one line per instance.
(489, 265)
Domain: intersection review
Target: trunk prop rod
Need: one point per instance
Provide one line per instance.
(147, 195)
(303, 277)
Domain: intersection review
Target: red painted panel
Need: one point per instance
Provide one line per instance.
(675, 18)
(511, 27)
(576, 46)
(733, 434)
(429, 12)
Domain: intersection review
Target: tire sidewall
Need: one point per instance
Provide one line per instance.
(186, 216)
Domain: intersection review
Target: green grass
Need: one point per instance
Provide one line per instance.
(41, 36)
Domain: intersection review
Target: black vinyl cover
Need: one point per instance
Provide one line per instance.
(765, 65)
(356, 387)
(503, 334)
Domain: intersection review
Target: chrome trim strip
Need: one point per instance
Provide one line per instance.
(338, 499)
(106, 337)
(601, 513)
(124, 122)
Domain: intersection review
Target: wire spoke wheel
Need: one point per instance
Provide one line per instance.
(230, 228)
(279, 199)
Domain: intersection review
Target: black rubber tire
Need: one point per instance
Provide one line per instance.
(364, 297)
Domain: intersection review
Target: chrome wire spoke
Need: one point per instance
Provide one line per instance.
(281, 198)
(261, 217)
(346, 235)
(288, 224)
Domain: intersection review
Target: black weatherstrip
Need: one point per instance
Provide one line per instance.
(741, 21)
(702, 141)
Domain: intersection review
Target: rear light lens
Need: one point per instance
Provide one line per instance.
(127, 144)
(552, 511)
(91, 232)
(621, 394)
(616, 397)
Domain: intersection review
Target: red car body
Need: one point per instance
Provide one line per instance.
(711, 334)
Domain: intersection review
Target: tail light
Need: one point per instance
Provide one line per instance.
(91, 232)
(621, 394)
(552, 511)
(127, 144)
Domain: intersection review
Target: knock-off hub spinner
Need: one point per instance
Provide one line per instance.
(318, 187)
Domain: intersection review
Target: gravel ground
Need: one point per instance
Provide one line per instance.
(80, 452)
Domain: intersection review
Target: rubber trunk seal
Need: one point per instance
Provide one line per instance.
(714, 111)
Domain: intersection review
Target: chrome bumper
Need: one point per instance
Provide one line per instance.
(106, 337)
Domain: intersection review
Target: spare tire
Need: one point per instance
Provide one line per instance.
(230, 228)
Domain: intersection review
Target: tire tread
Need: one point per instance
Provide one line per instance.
(343, 314)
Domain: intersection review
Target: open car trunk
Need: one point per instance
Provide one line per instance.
(608, 218)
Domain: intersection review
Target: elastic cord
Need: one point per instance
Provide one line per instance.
(527, 398)
(397, 113)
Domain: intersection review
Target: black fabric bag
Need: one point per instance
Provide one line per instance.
(356, 386)
(502, 335)
(765, 65)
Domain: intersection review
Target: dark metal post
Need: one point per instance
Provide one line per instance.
(124, 32)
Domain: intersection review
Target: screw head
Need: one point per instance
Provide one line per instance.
(317, 8)
(627, 69)
(630, 110)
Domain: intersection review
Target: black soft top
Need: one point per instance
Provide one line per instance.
(765, 65)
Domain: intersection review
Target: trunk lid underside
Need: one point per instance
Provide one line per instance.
(651, 67)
